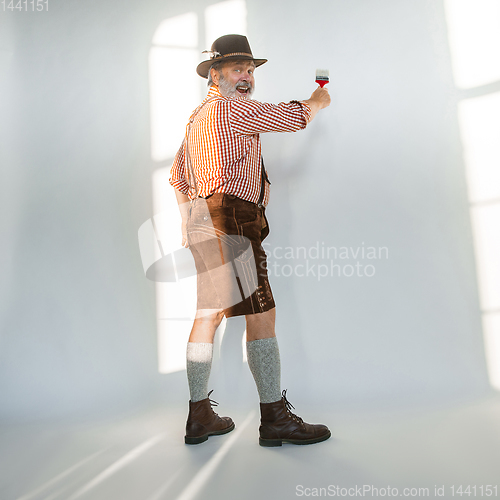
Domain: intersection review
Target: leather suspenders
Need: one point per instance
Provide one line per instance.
(186, 145)
(264, 178)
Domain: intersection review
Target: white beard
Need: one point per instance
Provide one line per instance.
(228, 90)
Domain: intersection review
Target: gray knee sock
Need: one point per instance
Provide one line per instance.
(264, 361)
(198, 365)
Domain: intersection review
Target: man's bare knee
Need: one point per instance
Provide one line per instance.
(261, 325)
(265, 317)
(210, 316)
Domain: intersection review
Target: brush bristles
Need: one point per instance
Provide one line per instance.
(322, 74)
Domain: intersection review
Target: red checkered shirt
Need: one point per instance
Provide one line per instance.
(224, 144)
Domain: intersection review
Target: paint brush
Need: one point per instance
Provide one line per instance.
(322, 77)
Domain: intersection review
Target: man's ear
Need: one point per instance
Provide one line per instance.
(215, 75)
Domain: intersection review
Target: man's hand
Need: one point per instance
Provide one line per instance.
(183, 202)
(185, 243)
(322, 97)
(319, 99)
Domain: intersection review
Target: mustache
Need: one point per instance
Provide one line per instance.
(245, 85)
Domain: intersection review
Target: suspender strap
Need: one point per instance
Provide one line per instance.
(263, 179)
(192, 177)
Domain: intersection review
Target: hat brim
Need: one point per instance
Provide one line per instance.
(203, 68)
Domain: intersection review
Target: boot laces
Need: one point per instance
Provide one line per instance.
(288, 407)
(212, 402)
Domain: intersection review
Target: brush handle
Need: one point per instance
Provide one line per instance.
(321, 83)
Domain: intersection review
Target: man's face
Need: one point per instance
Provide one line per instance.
(235, 79)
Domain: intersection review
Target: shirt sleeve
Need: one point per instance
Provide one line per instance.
(253, 117)
(178, 173)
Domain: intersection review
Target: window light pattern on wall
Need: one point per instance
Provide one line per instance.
(474, 37)
(175, 90)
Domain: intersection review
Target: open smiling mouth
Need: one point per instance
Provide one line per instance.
(243, 90)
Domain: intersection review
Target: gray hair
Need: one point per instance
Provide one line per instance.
(217, 66)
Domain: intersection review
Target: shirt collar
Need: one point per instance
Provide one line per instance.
(214, 91)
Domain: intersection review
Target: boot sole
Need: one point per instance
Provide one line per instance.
(202, 439)
(279, 442)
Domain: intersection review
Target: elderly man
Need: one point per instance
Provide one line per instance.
(222, 189)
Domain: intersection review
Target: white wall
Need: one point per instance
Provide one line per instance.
(381, 167)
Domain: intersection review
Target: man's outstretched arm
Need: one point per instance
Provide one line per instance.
(249, 117)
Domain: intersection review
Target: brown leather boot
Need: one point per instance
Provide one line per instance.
(203, 421)
(279, 425)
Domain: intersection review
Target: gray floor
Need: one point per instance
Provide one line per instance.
(143, 457)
